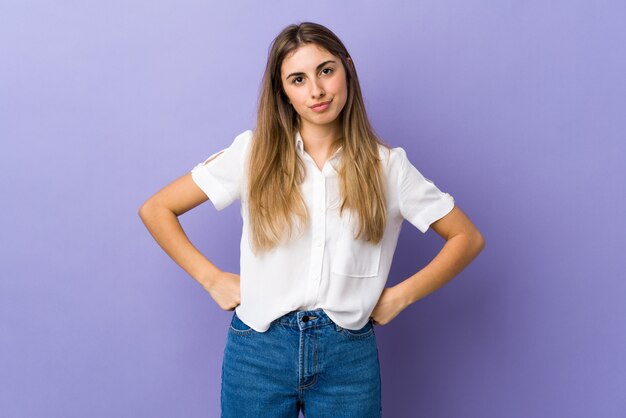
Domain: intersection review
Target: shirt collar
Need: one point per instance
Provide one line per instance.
(300, 146)
(299, 143)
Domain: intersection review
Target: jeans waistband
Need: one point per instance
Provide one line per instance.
(304, 319)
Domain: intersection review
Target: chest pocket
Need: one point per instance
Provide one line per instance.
(356, 258)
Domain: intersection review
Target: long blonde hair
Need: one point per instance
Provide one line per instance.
(275, 168)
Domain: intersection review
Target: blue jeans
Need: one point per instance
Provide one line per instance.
(303, 361)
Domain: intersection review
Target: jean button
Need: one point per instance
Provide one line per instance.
(305, 319)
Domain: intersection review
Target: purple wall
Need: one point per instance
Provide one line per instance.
(516, 108)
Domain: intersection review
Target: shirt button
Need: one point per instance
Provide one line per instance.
(318, 243)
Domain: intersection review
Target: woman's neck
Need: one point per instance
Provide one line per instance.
(320, 140)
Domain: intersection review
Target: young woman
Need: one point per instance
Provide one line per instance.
(322, 202)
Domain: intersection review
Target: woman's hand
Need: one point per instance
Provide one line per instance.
(224, 288)
(389, 305)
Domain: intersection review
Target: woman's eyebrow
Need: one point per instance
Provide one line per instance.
(317, 68)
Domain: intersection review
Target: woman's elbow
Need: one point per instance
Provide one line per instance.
(145, 209)
(478, 241)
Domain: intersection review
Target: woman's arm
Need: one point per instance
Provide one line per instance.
(160, 216)
(463, 243)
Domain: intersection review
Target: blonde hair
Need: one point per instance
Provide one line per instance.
(275, 168)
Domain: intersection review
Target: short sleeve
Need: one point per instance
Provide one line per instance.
(220, 176)
(420, 200)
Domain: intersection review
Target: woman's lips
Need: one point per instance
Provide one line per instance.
(321, 107)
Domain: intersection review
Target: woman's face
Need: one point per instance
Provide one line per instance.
(312, 75)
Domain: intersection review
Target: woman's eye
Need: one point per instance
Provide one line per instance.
(294, 80)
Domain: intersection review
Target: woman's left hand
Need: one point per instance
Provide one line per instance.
(389, 305)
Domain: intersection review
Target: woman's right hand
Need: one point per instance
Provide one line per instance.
(224, 288)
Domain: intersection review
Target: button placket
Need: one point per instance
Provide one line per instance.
(318, 238)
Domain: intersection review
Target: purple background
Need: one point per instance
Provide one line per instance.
(516, 108)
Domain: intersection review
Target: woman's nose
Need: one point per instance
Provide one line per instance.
(318, 91)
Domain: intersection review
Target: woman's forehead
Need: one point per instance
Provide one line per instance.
(306, 55)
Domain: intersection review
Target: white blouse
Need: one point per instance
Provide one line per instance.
(325, 268)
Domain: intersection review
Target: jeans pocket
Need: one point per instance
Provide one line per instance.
(366, 331)
(238, 327)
